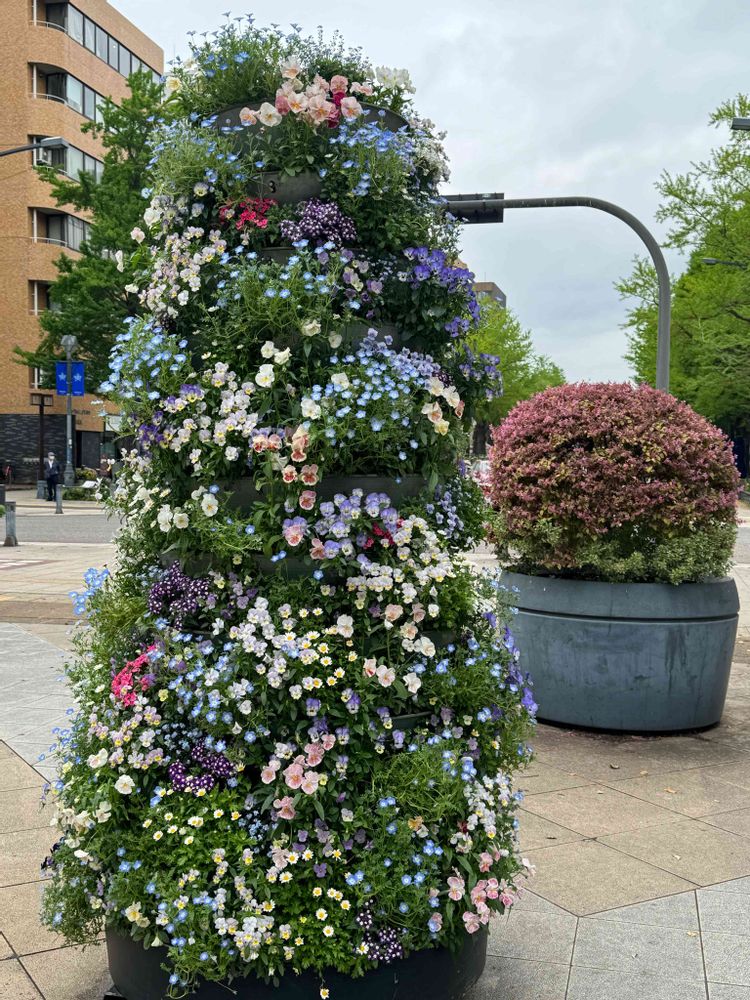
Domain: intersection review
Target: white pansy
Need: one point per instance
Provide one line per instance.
(151, 215)
(209, 504)
(171, 85)
(124, 784)
(311, 328)
(413, 683)
(341, 380)
(268, 114)
(268, 349)
(181, 520)
(310, 409)
(265, 376)
(137, 234)
(120, 259)
(98, 759)
(281, 357)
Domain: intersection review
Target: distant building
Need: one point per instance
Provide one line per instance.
(492, 291)
(59, 61)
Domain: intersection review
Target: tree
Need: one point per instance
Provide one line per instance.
(524, 371)
(708, 211)
(89, 293)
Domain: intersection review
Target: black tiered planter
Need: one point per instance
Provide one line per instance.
(436, 973)
(242, 492)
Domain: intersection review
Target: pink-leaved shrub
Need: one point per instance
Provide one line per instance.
(613, 482)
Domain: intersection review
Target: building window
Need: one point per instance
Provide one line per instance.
(74, 94)
(66, 230)
(36, 378)
(72, 161)
(84, 31)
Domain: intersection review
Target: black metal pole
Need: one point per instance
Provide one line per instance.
(476, 210)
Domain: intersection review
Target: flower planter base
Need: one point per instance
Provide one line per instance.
(638, 657)
(436, 973)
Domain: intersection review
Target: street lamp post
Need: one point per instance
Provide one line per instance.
(479, 208)
(55, 142)
(69, 343)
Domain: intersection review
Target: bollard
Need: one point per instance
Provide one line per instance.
(10, 524)
(58, 499)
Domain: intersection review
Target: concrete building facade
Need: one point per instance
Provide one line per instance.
(59, 61)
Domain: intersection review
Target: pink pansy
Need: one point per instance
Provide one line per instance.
(493, 889)
(471, 922)
(268, 775)
(322, 84)
(456, 886)
(293, 775)
(350, 108)
(362, 88)
(297, 103)
(281, 103)
(507, 898)
(485, 861)
(317, 549)
(314, 753)
(386, 675)
(309, 474)
(329, 741)
(307, 499)
(289, 474)
(339, 84)
(248, 116)
(285, 808)
(310, 782)
(274, 442)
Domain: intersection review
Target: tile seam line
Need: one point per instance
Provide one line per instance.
(694, 885)
(700, 938)
(572, 953)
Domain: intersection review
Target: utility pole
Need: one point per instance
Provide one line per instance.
(69, 343)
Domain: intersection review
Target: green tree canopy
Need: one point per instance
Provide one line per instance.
(89, 294)
(524, 371)
(708, 212)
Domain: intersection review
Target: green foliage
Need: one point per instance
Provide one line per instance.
(524, 371)
(708, 212)
(90, 291)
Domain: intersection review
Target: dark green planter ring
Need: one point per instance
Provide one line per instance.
(407, 486)
(293, 567)
(285, 188)
(437, 973)
(442, 637)
(634, 657)
(407, 723)
(354, 333)
(282, 255)
(242, 493)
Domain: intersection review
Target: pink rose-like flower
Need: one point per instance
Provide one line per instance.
(293, 775)
(307, 499)
(350, 108)
(456, 886)
(310, 782)
(285, 808)
(471, 922)
(339, 84)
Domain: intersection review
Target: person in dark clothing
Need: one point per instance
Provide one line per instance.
(51, 474)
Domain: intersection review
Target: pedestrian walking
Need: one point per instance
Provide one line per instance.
(51, 474)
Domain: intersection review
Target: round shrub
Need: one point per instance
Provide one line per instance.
(613, 482)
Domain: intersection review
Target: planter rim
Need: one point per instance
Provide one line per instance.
(710, 599)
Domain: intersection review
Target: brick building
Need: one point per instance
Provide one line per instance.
(59, 60)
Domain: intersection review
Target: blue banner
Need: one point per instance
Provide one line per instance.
(78, 378)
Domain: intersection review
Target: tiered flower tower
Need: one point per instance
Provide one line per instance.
(301, 709)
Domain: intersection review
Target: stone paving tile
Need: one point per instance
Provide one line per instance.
(732, 732)
(736, 774)
(695, 792)
(540, 777)
(5, 948)
(535, 831)
(16, 773)
(15, 983)
(601, 984)
(733, 885)
(19, 920)
(690, 849)
(724, 912)
(596, 810)
(638, 949)
(588, 876)
(71, 973)
(528, 901)
(727, 958)
(22, 853)
(516, 979)
(721, 991)
(533, 935)
(735, 822)
(20, 809)
(679, 911)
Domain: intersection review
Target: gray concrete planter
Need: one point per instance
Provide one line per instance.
(641, 657)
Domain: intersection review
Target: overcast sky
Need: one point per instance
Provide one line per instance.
(541, 97)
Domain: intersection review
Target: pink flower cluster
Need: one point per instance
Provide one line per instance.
(125, 683)
(595, 459)
(298, 774)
